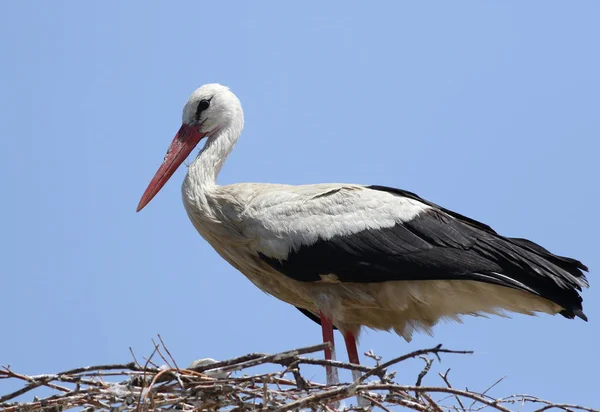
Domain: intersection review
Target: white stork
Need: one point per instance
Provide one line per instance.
(348, 255)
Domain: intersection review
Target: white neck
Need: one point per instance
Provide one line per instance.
(202, 173)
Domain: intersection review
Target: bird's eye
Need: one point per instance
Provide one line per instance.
(203, 105)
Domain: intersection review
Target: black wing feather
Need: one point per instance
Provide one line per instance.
(440, 244)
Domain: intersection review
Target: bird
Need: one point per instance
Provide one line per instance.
(351, 256)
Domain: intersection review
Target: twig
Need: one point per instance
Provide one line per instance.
(144, 376)
(438, 389)
(547, 404)
(258, 359)
(488, 389)
(425, 370)
(168, 353)
(376, 402)
(372, 355)
(165, 360)
(134, 358)
(337, 364)
(432, 403)
(435, 350)
(445, 379)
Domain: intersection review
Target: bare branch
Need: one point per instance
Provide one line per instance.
(436, 351)
(168, 353)
(425, 370)
(447, 382)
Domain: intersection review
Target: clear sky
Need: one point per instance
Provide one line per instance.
(488, 108)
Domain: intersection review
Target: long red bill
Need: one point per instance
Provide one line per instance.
(184, 142)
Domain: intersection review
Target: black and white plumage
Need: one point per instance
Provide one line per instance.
(350, 256)
(434, 245)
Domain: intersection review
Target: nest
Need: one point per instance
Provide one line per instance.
(208, 385)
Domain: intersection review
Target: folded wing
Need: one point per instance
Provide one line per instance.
(380, 234)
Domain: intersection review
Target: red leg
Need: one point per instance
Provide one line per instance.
(350, 340)
(327, 327)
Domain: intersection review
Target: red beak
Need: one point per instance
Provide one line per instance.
(184, 142)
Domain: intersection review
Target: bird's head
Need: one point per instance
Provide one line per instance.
(209, 109)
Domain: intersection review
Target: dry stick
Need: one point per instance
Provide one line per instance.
(372, 355)
(144, 378)
(548, 404)
(258, 359)
(305, 385)
(445, 378)
(436, 351)
(337, 364)
(161, 355)
(324, 396)
(435, 389)
(488, 389)
(130, 366)
(565, 406)
(349, 390)
(154, 380)
(376, 402)
(134, 358)
(149, 361)
(424, 372)
(404, 396)
(105, 374)
(69, 379)
(432, 403)
(168, 353)
(40, 404)
(300, 381)
(265, 394)
(45, 381)
(20, 392)
(412, 405)
(228, 362)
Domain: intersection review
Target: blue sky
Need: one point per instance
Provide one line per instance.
(488, 108)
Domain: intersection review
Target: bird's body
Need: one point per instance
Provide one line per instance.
(350, 255)
(257, 227)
